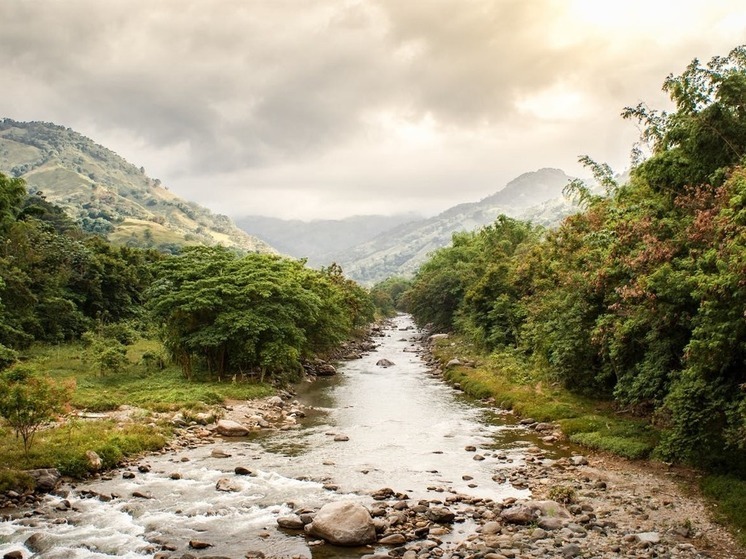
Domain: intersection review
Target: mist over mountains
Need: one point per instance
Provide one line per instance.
(372, 248)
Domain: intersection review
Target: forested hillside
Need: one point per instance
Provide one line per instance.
(641, 297)
(107, 195)
(215, 310)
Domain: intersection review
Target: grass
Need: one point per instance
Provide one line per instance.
(158, 390)
(729, 496)
(64, 446)
(514, 385)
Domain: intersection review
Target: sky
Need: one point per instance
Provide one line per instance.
(322, 109)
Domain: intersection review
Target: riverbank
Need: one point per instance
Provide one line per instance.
(648, 496)
(433, 469)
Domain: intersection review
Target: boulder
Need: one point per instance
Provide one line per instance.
(45, 479)
(224, 484)
(441, 515)
(276, 401)
(343, 523)
(93, 460)
(326, 370)
(384, 363)
(290, 522)
(39, 542)
(229, 428)
(518, 514)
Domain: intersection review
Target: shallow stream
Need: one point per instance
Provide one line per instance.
(407, 430)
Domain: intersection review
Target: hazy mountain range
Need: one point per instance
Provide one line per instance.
(372, 248)
(110, 196)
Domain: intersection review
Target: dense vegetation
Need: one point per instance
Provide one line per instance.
(640, 298)
(95, 325)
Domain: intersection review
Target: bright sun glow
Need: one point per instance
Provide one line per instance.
(559, 102)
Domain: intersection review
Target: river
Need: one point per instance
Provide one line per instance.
(407, 430)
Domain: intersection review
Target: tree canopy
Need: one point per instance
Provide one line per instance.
(641, 297)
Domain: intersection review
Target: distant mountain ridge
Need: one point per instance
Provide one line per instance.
(320, 240)
(535, 196)
(400, 248)
(108, 195)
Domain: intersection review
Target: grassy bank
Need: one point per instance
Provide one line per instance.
(513, 385)
(64, 445)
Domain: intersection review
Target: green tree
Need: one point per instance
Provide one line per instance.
(28, 401)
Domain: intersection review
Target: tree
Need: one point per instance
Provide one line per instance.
(257, 312)
(28, 401)
(706, 134)
(12, 194)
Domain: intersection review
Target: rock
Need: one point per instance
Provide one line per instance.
(141, 495)
(518, 514)
(384, 363)
(550, 523)
(341, 438)
(453, 363)
(441, 515)
(13, 555)
(651, 538)
(544, 427)
(436, 337)
(93, 460)
(326, 370)
(143, 468)
(175, 476)
(224, 484)
(393, 539)
(383, 494)
(229, 428)
(276, 401)
(478, 457)
(578, 460)
(39, 542)
(128, 475)
(241, 471)
(570, 550)
(343, 523)
(45, 479)
(219, 453)
(290, 522)
(197, 544)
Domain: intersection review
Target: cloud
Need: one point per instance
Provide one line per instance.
(338, 103)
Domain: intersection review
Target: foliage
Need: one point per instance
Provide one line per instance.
(28, 401)
(730, 494)
(231, 314)
(639, 299)
(387, 296)
(56, 282)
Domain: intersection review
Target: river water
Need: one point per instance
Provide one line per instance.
(407, 430)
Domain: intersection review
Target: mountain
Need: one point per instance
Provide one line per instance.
(535, 196)
(320, 240)
(108, 195)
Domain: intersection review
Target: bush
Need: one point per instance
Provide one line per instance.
(28, 400)
(7, 357)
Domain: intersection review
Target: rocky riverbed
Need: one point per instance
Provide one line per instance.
(580, 504)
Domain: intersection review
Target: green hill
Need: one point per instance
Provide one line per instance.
(108, 195)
